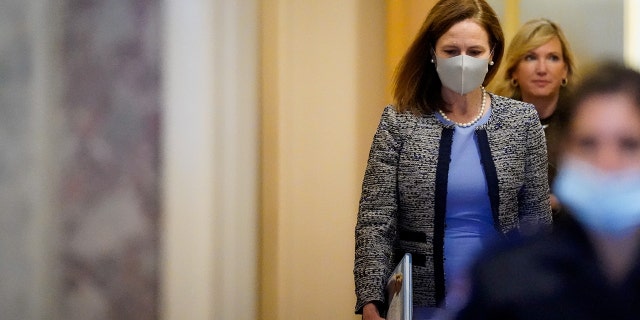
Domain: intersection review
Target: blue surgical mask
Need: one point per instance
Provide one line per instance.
(606, 202)
(462, 73)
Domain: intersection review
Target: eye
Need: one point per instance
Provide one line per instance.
(629, 145)
(585, 145)
(451, 52)
(555, 58)
(474, 53)
(530, 57)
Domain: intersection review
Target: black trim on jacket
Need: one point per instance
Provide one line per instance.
(490, 175)
(442, 180)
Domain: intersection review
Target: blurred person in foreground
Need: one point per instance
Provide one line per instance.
(589, 266)
(540, 69)
(451, 167)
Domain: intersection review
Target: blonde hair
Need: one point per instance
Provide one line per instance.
(533, 34)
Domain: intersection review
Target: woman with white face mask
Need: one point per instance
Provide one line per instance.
(451, 167)
(589, 266)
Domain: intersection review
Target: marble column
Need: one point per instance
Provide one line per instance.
(88, 95)
(109, 191)
(17, 211)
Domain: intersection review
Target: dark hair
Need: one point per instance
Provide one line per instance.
(417, 87)
(605, 78)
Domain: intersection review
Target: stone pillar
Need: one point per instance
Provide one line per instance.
(108, 192)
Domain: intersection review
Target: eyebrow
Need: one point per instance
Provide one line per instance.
(456, 46)
(550, 52)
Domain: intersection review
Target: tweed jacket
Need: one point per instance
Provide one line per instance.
(403, 201)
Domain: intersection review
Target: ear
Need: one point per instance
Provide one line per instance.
(565, 74)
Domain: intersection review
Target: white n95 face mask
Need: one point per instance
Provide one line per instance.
(462, 73)
(607, 202)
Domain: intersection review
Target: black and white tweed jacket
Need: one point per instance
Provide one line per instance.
(402, 206)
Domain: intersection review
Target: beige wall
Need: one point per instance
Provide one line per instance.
(323, 90)
(404, 19)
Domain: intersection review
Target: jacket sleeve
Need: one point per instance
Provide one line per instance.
(534, 205)
(375, 229)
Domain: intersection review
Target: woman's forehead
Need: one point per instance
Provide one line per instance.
(465, 32)
(606, 112)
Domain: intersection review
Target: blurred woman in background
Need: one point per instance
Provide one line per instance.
(589, 266)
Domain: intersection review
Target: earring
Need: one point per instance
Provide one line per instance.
(432, 61)
(514, 83)
(564, 82)
(491, 62)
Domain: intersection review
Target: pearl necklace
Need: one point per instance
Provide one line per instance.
(476, 119)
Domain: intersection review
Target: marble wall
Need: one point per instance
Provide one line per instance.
(109, 192)
(16, 161)
(101, 178)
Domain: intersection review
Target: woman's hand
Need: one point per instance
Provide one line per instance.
(370, 312)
